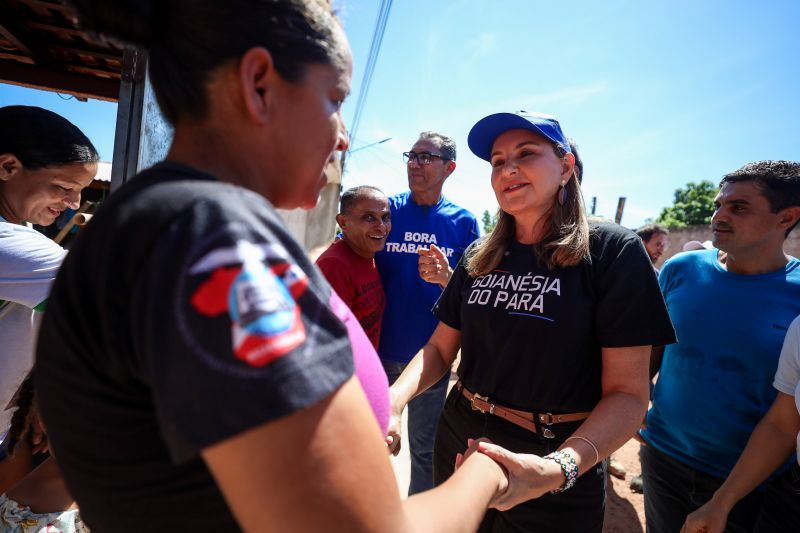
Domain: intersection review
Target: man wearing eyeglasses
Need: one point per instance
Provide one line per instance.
(428, 237)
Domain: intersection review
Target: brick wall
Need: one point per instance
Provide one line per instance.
(678, 237)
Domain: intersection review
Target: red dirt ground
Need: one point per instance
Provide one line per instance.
(625, 509)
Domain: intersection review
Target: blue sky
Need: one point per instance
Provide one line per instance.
(656, 94)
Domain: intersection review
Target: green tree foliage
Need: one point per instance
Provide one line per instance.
(488, 222)
(693, 206)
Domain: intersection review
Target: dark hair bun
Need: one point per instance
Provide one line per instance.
(132, 21)
(40, 138)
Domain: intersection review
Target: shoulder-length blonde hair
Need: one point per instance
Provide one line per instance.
(565, 244)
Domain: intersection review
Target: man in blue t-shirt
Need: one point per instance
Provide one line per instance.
(731, 307)
(429, 235)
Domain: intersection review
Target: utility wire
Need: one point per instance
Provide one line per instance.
(377, 39)
(372, 59)
(370, 145)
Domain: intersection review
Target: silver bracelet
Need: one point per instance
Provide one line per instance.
(590, 443)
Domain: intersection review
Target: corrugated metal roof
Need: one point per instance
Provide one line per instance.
(103, 171)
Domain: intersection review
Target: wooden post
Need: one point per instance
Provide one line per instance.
(129, 117)
(620, 208)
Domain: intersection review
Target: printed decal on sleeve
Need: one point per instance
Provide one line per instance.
(257, 286)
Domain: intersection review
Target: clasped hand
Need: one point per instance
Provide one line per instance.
(529, 475)
(393, 437)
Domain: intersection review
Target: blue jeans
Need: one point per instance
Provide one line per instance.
(673, 489)
(423, 417)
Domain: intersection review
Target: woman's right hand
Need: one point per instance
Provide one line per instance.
(394, 432)
(529, 476)
(425, 369)
(710, 518)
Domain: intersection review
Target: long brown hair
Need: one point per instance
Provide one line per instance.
(565, 244)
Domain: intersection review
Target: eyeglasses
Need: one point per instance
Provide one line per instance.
(422, 158)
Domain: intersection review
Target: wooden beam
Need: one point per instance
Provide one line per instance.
(99, 54)
(60, 30)
(40, 6)
(12, 29)
(19, 58)
(100, 73)
(59, 81)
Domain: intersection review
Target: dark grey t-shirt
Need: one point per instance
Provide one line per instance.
(184, 315)
(531, 338)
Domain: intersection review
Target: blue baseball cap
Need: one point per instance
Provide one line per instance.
(488, 129)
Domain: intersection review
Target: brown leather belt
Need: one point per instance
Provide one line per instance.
(522, 419)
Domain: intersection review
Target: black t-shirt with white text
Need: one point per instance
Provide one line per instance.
(531, 338)
(184, 314)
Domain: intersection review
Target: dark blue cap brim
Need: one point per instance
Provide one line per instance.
(483, 134)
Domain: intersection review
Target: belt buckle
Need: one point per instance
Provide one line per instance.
(547, 419)
(484, 399)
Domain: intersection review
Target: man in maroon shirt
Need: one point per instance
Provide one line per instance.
(349, 263)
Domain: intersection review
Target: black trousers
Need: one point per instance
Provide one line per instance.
(780, 510)
(673, 489)
(579, 510)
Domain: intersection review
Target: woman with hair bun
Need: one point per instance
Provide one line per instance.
(555, 319)
(45, 162)
(195, 371)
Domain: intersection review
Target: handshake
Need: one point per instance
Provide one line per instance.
(516, 477)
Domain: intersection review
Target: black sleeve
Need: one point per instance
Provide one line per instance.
(232, 328)
(630, 308)
(448, 307)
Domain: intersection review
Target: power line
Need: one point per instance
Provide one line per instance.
(372, 59)
(370, 145)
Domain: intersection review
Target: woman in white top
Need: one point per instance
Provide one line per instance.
(45, 162)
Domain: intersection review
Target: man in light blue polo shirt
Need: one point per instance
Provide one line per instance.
(429, 235)
(731, 307)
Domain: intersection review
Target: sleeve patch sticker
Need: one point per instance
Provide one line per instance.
(211, 298)
(260, 299)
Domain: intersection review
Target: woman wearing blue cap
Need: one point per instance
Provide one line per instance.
(555, 319)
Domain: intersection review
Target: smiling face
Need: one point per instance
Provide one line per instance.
(526, 172)
(40, 196)
(743, 220)
(366, 224)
